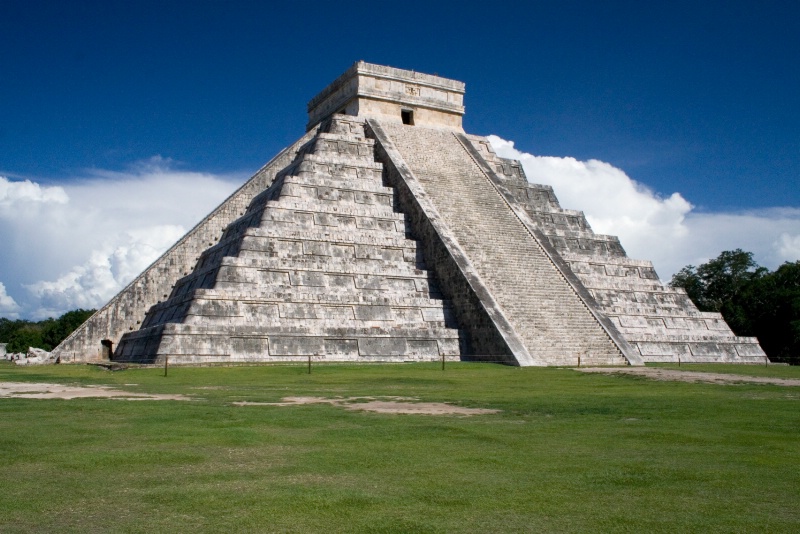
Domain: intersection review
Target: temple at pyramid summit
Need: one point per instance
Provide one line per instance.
(386, 233)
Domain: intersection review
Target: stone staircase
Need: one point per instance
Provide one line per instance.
(661, 322)
(320, 265)
(553, 322)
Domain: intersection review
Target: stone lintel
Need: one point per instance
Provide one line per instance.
(390, 94)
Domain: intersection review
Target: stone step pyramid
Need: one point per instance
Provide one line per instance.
(386, 233)
(319, 265)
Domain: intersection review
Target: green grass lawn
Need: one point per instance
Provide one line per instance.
(570, 452)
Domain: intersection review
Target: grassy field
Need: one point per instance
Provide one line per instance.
(569, 452)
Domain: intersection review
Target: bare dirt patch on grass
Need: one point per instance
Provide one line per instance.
(32, 390)
(394, 405)
(691, 376)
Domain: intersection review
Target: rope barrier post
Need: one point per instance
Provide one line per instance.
(166, 364)
(309, 364)
(443, 361)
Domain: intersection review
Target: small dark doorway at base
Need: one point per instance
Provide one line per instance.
(107, 350)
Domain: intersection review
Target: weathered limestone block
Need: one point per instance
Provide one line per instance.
(36, 356)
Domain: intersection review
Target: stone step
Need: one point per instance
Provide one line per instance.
(291, 249)
(332, 164)
(633, 334)
(739, 350)
(638, 322)
(590, 247)
(656, 311)
(636, 333)
(666, 299)
(342, 144)
(683, 338)
(623, 284)
(324, 221)
(553, 231)
(307, 213)
(224, 344)
(304, 294)
(317, 241)
(284, 271)
(337, 173)
(334, 236)
(300, 329)
(298, 246)
(558, 214)
(535, 196)
(353, 210)
(313, 315)
(338, 275)
(603, 260)
(326, 264)
(337, 195)
(349, 137)
(595, 271)
(332, 282)
(311, 284)
(664, 311)
(299, 304)
(344, 184)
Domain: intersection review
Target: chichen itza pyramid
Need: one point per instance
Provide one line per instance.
(387, 233)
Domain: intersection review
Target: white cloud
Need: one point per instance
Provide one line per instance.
(76, 244)
(23, 194)
(664, 229)
(788, 245)
(8, 307)
(107, 270)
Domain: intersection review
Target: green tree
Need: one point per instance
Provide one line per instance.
(47, 334)
(7, 329)
(772, 307)
(720, 280)
(753, 301)
(26, 335)
(56, 331)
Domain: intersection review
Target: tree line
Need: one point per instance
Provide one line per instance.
(21, 334)
(754, 301)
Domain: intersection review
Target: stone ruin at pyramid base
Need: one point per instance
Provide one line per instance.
(388, 234)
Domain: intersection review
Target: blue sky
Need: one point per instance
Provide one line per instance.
(694, 98)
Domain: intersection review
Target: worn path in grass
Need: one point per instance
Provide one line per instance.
(565, 452)
(657, 373)
(39, 390)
